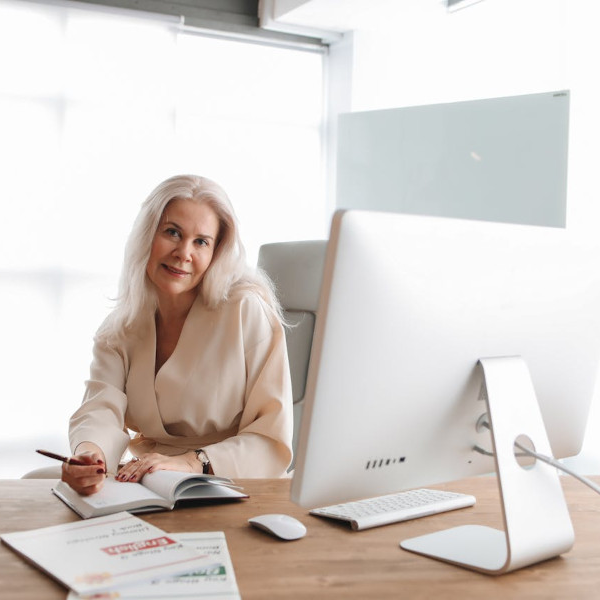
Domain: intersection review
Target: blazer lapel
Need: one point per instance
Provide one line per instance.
(172, 378)
(142, 402)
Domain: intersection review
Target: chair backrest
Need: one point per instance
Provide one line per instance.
(296, 269)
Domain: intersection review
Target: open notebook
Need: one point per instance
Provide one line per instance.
(161, 490)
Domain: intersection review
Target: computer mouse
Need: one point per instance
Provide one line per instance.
(283, 527)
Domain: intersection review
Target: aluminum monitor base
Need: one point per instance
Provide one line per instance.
(536, 518)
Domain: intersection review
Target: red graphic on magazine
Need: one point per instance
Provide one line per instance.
(137, 546)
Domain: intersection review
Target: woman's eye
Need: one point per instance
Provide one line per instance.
(172, 232)
(202, 242)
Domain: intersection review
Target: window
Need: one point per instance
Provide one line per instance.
(96, 108)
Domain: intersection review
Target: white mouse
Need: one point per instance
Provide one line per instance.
(282, 526)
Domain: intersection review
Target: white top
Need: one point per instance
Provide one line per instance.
(226, 388)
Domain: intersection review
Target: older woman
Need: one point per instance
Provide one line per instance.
(192, 360)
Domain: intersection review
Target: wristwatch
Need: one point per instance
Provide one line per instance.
(201, 456)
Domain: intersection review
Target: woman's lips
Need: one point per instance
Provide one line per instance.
(175, 271)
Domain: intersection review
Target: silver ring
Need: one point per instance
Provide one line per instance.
(135, 459)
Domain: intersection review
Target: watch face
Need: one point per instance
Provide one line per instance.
(205, 463)
(201, 455)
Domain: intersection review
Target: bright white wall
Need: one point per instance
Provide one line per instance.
(421, 54)
(494, 48)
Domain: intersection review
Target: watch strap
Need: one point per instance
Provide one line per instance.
(203, 458)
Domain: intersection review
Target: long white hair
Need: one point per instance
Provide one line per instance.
(227, 275)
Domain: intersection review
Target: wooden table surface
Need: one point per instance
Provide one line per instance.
(332, 561)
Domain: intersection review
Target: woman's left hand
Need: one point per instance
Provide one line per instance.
(136, 468)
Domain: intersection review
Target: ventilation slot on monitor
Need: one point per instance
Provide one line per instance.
(379, 463)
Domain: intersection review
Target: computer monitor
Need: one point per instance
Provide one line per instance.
(408, 306)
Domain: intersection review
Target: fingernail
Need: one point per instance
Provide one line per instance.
(101, 472)
(133, 478)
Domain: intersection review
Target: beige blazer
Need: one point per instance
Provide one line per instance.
(226, 388)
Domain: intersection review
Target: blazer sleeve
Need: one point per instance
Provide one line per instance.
(101, 417)
(263, 444)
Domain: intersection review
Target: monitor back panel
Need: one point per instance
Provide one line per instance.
(408, 306)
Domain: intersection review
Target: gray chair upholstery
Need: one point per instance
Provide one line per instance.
(296, 269)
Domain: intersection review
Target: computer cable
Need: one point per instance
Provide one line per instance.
(544, 458)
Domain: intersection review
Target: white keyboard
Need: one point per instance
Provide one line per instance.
(392, 508)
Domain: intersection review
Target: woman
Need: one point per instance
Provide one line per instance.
(193, 357)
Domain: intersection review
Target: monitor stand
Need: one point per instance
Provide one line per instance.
(536, 517)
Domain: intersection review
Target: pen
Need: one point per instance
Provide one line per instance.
(65, 459)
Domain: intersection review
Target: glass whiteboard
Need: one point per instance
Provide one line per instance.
(500, 159)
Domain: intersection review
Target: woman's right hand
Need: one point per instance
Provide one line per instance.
(86, 478)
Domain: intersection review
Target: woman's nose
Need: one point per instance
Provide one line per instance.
(183, 250)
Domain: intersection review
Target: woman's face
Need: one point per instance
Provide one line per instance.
(182, 248)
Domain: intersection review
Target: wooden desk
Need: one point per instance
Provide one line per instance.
(332, 561)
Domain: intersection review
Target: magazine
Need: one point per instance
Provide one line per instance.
(217, 580)
(105, 553)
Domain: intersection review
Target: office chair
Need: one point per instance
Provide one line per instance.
(52, 472)
(296, 269)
